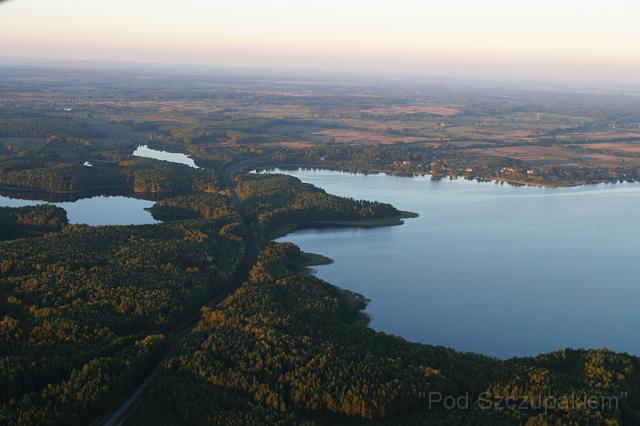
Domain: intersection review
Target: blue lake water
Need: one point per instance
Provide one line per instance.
(107, 210)
(172, 157)
(496, 269)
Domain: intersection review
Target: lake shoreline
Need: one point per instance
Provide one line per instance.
(289, 228)
(32, 194)
(116, 190)
(464, 254)
(373, 171)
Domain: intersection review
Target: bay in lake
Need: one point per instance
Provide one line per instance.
(496, 269)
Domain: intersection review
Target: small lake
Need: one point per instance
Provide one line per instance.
(106, 210)
(172, 157)
(495, 269)
(101, 210)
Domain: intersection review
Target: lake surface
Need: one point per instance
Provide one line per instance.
(172, 157)
(109, 210)
(101, 210)
(495, 269)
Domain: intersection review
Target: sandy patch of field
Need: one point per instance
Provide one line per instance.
(604, 136)
(277, 111)
(613, 160)
(359, 136)
(293, 144)
(415, 109)
(471, 143)
(629, 147)
(531, 153)
(492, 133)
(557, 155)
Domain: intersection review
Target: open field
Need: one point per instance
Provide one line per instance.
(556, 155)
(388, 126)
(359, 137)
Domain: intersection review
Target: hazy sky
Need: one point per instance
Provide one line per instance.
(582, 39)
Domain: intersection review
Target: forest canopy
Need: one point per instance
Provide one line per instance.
(288, 348)
(84, 311)
(30, 221)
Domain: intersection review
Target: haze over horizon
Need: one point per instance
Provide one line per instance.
(573, 40)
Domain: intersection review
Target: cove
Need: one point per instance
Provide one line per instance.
(488, 268)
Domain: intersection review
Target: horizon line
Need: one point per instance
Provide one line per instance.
(320, 74)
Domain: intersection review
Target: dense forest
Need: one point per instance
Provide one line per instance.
(87, 310)
(275, 200)
(288, 348)
(30, 221)
(84, 310)
(126, 175)
(206, 206)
